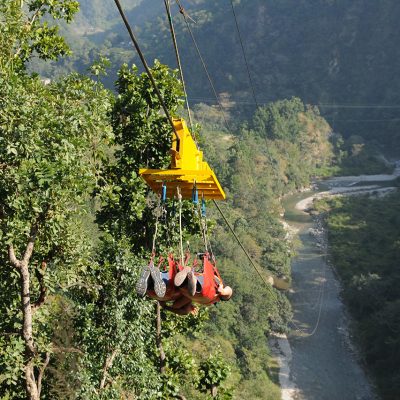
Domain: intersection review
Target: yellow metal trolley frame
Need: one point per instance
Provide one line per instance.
(187, 169)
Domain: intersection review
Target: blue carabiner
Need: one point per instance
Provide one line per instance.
(203, 208)
(164, 193)
(195, 195)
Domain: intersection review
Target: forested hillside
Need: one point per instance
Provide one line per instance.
(364, 246)
(341, 56)
(261, 163)
(77, 225)
(77, 222)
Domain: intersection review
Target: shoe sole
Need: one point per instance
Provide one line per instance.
(159, 285)
(181, 276)
(141, 286)
(192, 282)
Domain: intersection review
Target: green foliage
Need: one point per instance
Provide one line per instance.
(143, 138)
(51, 146)
(99, 67)
(359, 157)
(257, 170)
(25, 30)
(364, 244)
(114, 328)
(279, 120)
(50, 153)
(51, 150)
(213, 372)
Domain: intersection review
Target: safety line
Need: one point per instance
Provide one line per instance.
(171, 122)
(244, 55)
(241, 245)
(144, 62)
(178, 60)
(184, 14)
(179, 195)
(320, 303)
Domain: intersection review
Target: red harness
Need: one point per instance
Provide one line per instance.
(209, 294)
(209, 290)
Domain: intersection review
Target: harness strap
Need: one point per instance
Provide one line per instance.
(209, 289)
(172, 267)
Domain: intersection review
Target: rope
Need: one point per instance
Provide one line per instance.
(145, 65)
(178, 60)
(185, 17)
(241, 245)
(180, 224)
(202, 224)
(158, 212)
(244, 55)
(320, 303)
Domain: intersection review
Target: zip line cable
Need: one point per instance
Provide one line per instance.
(144, 62)
(241, 244)
(170, 120)
(184, 14)
(244, 55)
(178, 60)
(185, 17)
(320, 302)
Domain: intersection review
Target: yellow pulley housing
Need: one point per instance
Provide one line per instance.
(187, 169)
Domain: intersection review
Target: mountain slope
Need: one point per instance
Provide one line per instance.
(341, 56)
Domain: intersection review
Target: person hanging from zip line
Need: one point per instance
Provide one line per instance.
(159, 285)
(179, 283)
(185, 287)
(204, 287)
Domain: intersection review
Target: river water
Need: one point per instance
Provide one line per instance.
(318, 360)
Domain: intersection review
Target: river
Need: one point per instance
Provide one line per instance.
(318, 360)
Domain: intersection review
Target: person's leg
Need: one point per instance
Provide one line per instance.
(199, 283)
(165, 277)
(181, 306)
(180, 302)
(191, 282)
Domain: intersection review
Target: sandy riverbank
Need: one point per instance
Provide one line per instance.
(376, 190)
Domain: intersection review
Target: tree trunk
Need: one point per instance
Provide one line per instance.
(31, 385)
(159, 340)
(22, 266)
(107, 365)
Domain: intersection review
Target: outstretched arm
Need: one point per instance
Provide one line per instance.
(181, 306)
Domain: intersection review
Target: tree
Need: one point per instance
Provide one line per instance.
(127, 219)
(25, 31)
(50, 155)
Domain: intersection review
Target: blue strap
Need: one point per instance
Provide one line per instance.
(203, 208)
(164, 193)
(195, 195)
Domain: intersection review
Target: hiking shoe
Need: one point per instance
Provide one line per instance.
(141, 286)
(192, 282)
(159, 285)
(181, 276)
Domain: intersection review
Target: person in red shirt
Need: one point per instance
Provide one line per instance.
(181, 286)
(203, 287)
